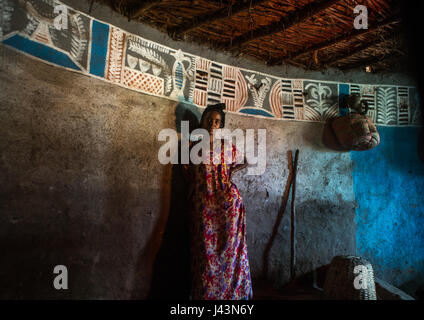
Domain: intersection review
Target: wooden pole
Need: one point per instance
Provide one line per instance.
(344, 37)
(280, 212)
(293, 221)
(284, 23)
(210, 17)
(142, 7)
(368, 61)
(352, 52)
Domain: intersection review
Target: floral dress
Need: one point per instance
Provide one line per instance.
(219, 262)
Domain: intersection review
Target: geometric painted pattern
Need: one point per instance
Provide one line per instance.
(115, 55)
(368, 93)
(93, 47)
(298, 99)
(403, 106)
(201, 82)
(144, 82)
(287, 99)
(214, 83)
(234, 89)
(387, 105)
(276, 99)
(320, 101)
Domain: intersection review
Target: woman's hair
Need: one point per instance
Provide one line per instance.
(219, 107)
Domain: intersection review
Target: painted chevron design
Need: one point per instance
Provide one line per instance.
(386, 106)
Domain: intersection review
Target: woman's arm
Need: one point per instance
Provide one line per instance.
(238, 167)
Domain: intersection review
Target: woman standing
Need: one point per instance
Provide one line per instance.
(219, 261)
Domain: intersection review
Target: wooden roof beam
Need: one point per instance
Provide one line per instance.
(369, 61)
(210, 17)
(352, 52)
(284, 23)
(357, 50)
(394, 19)
(142, 7)
(387, 64)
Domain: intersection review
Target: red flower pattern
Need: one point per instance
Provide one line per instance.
(219, 261)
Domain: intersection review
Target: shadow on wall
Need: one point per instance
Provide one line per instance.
(170, 277)
(67, 205)
(145, 266)
(324, 229)
(187, 112)
(171, 271)
(413, 285)
(420, 146)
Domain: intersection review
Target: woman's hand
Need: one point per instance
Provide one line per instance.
(236, 168)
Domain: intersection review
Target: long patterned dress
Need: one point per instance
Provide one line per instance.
(219, 262)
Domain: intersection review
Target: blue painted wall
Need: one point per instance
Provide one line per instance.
(100, 36)
(389, 189)
(41, 51)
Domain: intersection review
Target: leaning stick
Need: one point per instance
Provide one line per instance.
(293, 220)
(280, 212)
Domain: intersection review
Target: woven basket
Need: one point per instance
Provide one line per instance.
(356, 132)
(343, 281)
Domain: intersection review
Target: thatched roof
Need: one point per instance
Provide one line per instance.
(312, 34)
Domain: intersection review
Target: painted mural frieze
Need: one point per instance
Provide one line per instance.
(92, 47)
(258, 86)
(368, 93)
(276, 99)
(30, 27)
(234, 89)
(145, 69)
(387, 106)
(320, 100)
(403, 105)
(182, 75)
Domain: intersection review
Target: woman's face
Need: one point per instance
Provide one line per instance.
(212, 121)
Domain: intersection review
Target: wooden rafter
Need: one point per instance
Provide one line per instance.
(210, 17)
(394, 19)
(388, 64)
(357, 50)
(284, 23)
(279, 23)
(142, 7)
(370, 61)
